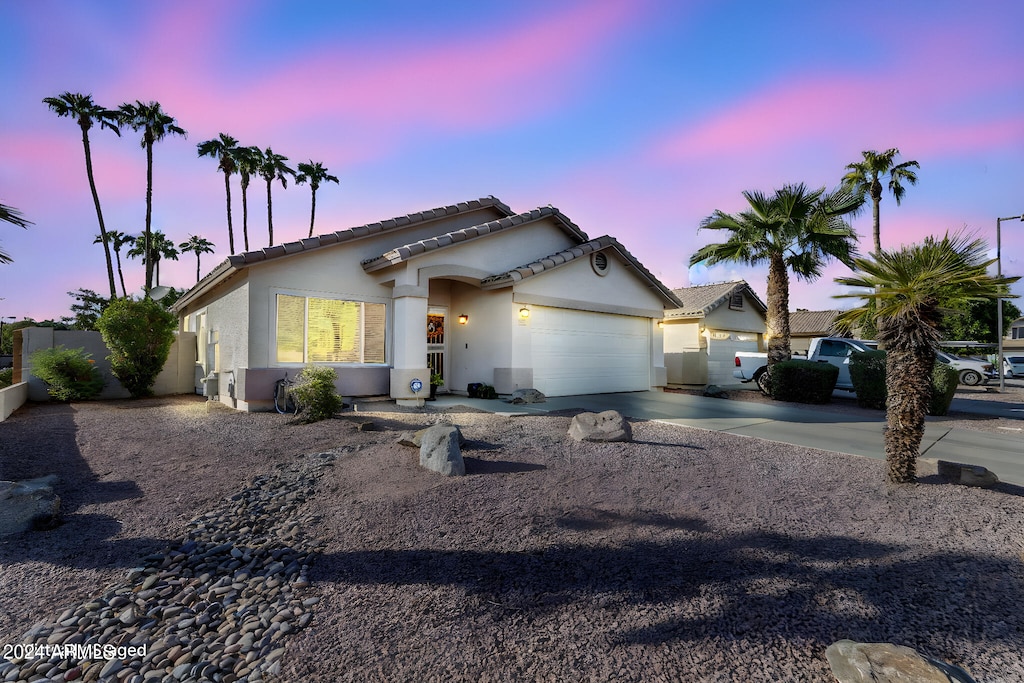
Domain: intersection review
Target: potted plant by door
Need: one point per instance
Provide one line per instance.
(435, 382)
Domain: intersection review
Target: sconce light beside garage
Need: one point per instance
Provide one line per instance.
(463, 319)
(524, 313)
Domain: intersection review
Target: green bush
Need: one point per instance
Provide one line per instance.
(487, 391)
(139, 334)
(315, 393)
(70, 374)
(6, 377)
(803, 382)
(867, 372)
(945, 379)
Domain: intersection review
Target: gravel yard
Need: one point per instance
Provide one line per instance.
(684, 555)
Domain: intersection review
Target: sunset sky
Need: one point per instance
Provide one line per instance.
(636, 118)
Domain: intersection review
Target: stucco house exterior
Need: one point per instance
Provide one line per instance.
(703, 335)
(472, 291)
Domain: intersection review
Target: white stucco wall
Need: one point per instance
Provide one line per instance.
(485, 341)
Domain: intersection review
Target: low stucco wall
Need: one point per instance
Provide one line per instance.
(12, 398)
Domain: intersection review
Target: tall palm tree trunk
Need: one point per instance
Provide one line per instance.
(197, 266)
(876, 203)
(231, 232)
(908, 374)
(99, 212)
(245, 212)
(312, 214)
(270, 215)
(777, 322)
(120, 273)
(149, 215)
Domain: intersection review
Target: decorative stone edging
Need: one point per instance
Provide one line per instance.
(214, 608)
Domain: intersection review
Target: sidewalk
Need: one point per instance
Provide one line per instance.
(803, 426)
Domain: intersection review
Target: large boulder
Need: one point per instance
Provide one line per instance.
(439, 450)
(415, 439)
(606, 426)
(28, 504)
(967, 475)
(527, 396)
(854, 662)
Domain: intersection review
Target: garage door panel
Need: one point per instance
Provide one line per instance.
(576, 352)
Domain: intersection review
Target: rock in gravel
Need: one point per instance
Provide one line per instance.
(527, 396)
(714, 391)
(439, 450)
(854, 662)
(606, 426)
(967, 475)
(28, 504)
(415, 439)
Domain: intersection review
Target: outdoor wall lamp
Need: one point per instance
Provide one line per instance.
(524, 313)
(463, 319)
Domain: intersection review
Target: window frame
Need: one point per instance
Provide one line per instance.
(306, 295)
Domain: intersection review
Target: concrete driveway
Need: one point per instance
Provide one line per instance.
(802, 426)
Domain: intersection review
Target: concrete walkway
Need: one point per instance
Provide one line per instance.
(801, 426)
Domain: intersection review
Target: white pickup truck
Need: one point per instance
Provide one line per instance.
(753, 367)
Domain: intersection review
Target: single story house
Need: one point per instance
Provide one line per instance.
(805, 325)
(703, 335)
(473, 292)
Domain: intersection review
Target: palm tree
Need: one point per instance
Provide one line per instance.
(88, 113)
(155, 125)
(864, 179)
(159, 248)
(794, 230)
(8, 214)
(248, 160)
(907, 292)
(272, 167)
(314, 174)
(199, 245)
(117, 239)
(223, 148)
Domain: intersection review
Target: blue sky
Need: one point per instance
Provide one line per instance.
(635, 118)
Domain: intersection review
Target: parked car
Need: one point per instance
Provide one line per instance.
(753, 367)
(972, 371)
(1013, 366)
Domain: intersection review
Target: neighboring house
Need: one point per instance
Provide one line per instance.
(1015, 339)
(487, 295)
(805, 325)
(704, 334)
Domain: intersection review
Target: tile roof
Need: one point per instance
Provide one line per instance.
(702, 299)
(817, 323)
(565, 256)
(407, 251)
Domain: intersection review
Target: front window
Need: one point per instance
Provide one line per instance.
(313, 330)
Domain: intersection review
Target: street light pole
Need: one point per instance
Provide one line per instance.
(999, 301)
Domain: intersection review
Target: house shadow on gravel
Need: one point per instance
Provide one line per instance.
(758, 587)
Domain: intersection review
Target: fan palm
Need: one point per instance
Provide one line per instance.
(314, 173)
(87, 114)
(8, 214)
(248, 160)
(222, 148)
(159, 248)
(864, 179)
(117, 239)
(907, 292)
(199, 245)
(272, 167)
(155, 125)
(795, 229)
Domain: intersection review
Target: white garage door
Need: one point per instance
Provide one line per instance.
(722, 357)
(577, 352)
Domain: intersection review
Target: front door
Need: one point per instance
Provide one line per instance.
(436, 316)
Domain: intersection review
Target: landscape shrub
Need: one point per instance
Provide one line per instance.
(945, 379)
(803, 382)
(69, 374)
(139, 334)
(867, 372)
(487, 391)
(314, 391)
(6, 377)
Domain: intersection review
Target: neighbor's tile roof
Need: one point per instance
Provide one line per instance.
(702, 299)
(407, 251)
(565, 256)
(817, 323)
